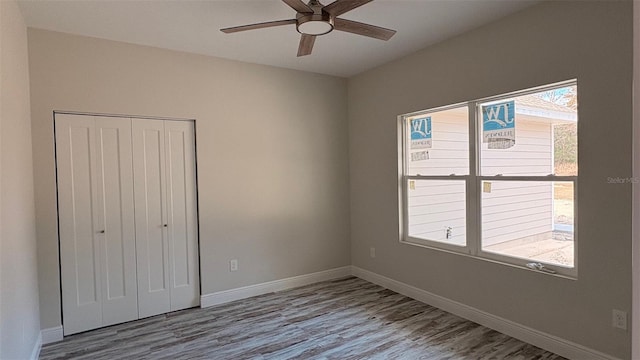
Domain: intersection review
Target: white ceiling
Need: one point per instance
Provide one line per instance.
(193, 26)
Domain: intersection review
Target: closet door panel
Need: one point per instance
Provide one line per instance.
(79, 239)
(116, 217)
(154, 295)
(181, 212)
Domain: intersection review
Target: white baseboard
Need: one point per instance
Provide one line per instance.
(35, 353)
(226, 296)
(532, 336)
(51, 335)
(535, 337)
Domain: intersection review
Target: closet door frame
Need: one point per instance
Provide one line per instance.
(197, 209)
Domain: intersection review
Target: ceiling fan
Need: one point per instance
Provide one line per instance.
(314, 19)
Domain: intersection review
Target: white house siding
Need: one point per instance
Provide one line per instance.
(531, 155)
(510, 211)
(516, 210)
(435, 205)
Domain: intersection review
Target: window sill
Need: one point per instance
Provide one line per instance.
(464, 251)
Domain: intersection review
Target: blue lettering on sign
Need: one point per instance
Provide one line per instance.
(498, 116)
(421, 128)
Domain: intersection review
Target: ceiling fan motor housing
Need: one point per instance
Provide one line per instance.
(317, 23)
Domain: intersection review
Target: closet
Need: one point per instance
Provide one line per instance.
(127, 218)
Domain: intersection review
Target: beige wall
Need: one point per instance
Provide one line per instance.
(636, 186)
(19, 315)
(271, 150)
(550, 42)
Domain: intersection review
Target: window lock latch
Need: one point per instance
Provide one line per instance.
(540, 267)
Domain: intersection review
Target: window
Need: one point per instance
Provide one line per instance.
(495, 178)
(437, 168)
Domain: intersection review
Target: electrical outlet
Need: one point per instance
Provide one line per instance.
(372, 252)
(233, 265)
(619, 319)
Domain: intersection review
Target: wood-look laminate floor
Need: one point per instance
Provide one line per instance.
(343, 319)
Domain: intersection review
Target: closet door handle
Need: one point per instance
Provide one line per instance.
(165, 225)
(101, 232)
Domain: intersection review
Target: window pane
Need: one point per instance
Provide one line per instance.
(529, 220)
(437, 143)
(437, 210)
(533, 134)
(565, 149)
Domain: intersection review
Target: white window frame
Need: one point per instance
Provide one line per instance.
(405, 179)
(473, 182)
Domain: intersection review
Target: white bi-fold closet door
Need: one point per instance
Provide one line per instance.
(165, 202)
(127, 218)
(96, 221)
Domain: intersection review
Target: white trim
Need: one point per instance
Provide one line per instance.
(529, 335)
(532, 336)
(51, 335)
(563, 117)
(635, 211)
(35, 353)
(225, 296)
(529, 91)
(65, 112)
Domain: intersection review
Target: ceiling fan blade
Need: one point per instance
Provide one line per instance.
(340, 7)
(363, 29)
(298, 6)
(258, 26)
(306, 44)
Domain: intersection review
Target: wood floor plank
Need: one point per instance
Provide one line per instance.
(342, 319)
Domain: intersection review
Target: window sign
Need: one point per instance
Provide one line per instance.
(499, 125)
(420, 156)
(421, 133)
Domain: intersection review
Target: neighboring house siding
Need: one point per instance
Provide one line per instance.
(431, 214)
(531, 155)
(519, 210)
(515, 211)
(511, 211)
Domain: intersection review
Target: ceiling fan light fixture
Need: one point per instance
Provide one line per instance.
(315, 24)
